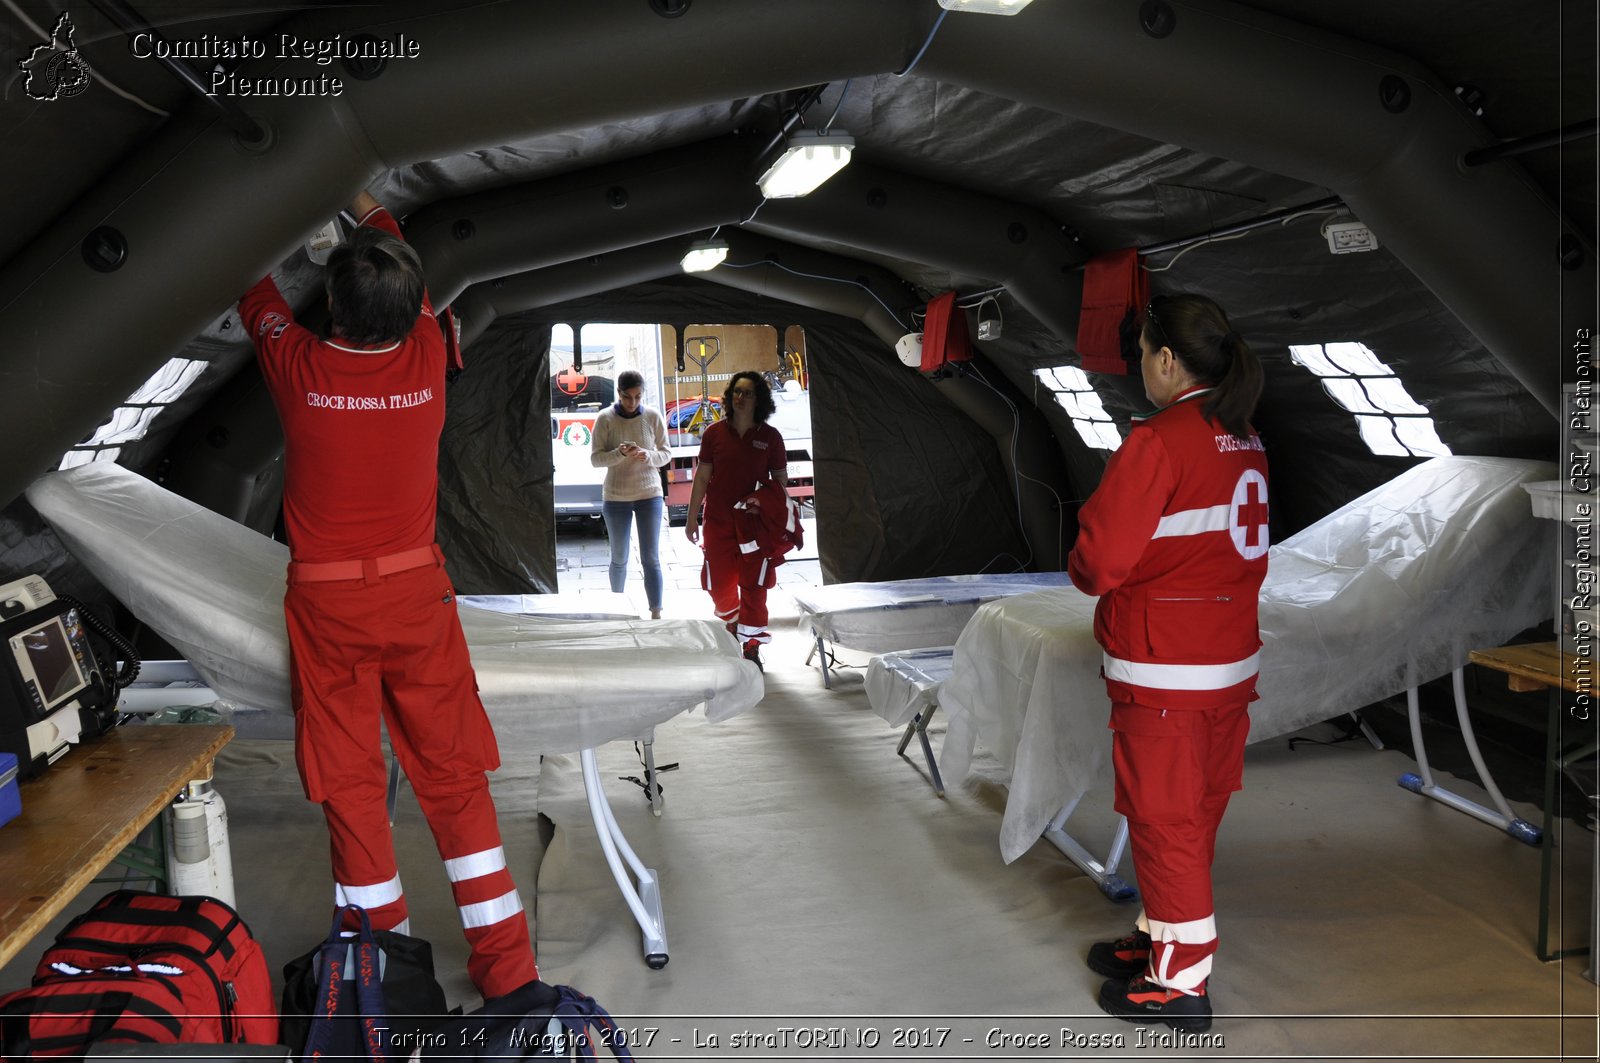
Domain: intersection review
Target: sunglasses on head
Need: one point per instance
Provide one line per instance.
(1150, 316)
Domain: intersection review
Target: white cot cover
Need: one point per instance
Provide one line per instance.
(901, 685)
(567, 605)
(907, 614)
(214, 589)
(1391, 590)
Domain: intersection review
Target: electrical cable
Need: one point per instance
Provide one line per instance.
(840, 103)
(1191, 247)
(1016, 471)
(918, 57)
(998, 313)
(128, 671)
(818, 277)
(753, 213)
(1016, 432)
(1336, 209)
(1020, 566)
(980, 297)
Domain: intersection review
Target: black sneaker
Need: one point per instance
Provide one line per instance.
(1123, 958)
(752, 653)
(1141, 1000)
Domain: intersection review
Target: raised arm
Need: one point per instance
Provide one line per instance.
(363, 204)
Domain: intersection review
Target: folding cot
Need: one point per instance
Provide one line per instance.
(1390, 591)
(214, 590)
(907, 613)
(903, 688)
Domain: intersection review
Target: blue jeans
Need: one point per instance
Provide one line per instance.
(619, 516)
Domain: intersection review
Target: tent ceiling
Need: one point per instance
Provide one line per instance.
(1105, 187)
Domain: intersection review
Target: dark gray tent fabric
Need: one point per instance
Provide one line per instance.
(1005, 116)
(905, 485)
(496, 489)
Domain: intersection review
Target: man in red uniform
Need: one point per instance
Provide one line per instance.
(1174, 541)
(373, 630)
(735, 455)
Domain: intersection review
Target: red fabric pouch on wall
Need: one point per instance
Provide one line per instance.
(1113, 285)
(944, 333)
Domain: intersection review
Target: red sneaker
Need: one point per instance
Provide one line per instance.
(752, 653)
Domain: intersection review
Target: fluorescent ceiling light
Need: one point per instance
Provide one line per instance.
(985, 7)
(707, 254)
(808, 159)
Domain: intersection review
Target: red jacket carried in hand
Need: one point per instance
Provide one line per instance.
(768, 523)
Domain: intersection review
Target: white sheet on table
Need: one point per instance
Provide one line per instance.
(214, 589)
(907, 614)
(1390, 590)
(902, 685)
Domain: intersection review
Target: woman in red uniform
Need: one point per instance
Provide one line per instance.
(736, 453)
(1174, 543)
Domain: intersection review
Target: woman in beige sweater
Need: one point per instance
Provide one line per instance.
(630, 443)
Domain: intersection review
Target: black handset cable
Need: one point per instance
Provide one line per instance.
(129, 669)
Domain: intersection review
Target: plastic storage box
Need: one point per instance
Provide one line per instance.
(10, 794)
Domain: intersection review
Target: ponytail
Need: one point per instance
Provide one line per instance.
(1198, 333)
(1236, 394)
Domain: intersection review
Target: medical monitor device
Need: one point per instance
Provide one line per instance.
(48, 660)
(52, 690)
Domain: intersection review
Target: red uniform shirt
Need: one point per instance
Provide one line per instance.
(738, 463)
(361, 429)
(1174, 541)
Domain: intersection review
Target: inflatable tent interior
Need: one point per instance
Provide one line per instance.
(1413, 182)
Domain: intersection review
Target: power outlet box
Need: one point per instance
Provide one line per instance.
(1347, 237)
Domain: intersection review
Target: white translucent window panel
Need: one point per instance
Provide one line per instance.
(1311, 356)
(1419, 435)
(1377, 432)
(1392, 397)
(1100, 434)
(168, 382)
(126, 424)
(73, 458)
(1355, 378)
(1350, 394)
(1077, 397)
(1355, 359)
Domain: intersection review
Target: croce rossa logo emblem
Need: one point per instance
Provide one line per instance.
(54, 69)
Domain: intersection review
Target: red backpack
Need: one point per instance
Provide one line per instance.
(144, 967)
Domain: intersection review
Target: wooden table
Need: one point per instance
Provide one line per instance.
(1539, 666)
(80, 814)
(1546, 666)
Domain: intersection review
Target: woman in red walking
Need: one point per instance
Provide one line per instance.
(1174, 543)
(736, 453)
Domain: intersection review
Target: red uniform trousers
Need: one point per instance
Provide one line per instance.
(737, 598)
(1175, 771)
(392, 647)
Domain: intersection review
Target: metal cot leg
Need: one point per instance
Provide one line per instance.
(1421, 781)
(919, 727)
(658, 800)
(1103, 875)
(645, 901)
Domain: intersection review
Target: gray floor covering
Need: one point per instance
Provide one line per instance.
(813, 880)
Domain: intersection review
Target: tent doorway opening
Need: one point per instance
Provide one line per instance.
(686, 369)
